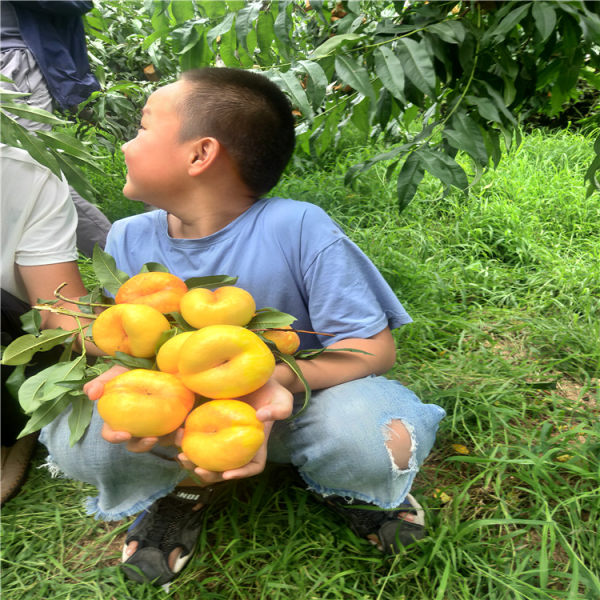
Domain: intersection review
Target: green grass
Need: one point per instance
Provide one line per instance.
(504, 289)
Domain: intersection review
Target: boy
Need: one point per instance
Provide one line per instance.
(210, 147)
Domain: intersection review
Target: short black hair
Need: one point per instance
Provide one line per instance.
(248, 114)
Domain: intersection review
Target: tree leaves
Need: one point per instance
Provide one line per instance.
(45, 385)
(21, 350)
(447, 78)
(390, 71)
(106, 271)
(409, 177)
(418, 65)
(210, 281)
(545, 18)
(334, 43)
(80, 417)
(266, 318)
(355, 75)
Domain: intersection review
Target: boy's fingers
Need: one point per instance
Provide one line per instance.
(114, 437)
(273, 402)
(95, 388)
(141, 444)
(279, 407)
(254, 467)
(133, 444)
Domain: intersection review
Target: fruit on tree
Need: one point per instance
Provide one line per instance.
(145, 403)
(227, 305)
(224, 361)
(130, 328)
(223, 434)
(162, 291)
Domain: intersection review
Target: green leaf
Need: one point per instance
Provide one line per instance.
(153, 267)
(183, 10)
(389, 69)
(355, 75)
(221, 29)
(359, 168)
(316, 86)
(444, 167)
(297, 94)
(31, 321)
(544, 17)
(149, 40)
(283, 23)
(180, 323)
(410, 175)
(333, 43)
(243, 23)
(498, 32)
(290, 361)
(464, 134)
(199, 55)
(15, 134)
(228, 50)
(21, 350)
(44, 385)
(361, 114)
(235, 5)
(210, 281)
(133, 362)
(265, 33)
(15, 380)
(72, 147)
(45, 414)
(76, 178)
(418, 66)
(106, 271)
(270, 317)
(39, 115)
(212, 9)
(80, 416)
(452, 32)
(485, 107)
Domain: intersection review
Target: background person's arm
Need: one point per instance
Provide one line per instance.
(42, 280)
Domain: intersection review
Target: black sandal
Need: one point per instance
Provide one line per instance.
(385, 529)
(169, 523)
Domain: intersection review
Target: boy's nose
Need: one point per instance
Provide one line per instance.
(124, 146)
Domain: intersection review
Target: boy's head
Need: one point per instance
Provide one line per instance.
(246, 113)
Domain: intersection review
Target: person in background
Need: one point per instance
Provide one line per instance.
(38, 254)
(43, 52)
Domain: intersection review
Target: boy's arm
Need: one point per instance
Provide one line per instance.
(333, 368)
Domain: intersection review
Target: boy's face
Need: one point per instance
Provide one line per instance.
(156, 160)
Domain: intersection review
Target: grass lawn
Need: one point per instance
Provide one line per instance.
(504, 290)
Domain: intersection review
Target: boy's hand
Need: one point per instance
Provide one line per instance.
(94, 390)
(272, 402)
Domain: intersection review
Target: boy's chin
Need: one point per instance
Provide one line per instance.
(129, 193)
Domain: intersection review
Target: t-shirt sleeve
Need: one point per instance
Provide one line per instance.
(347, 295)
(49, 235)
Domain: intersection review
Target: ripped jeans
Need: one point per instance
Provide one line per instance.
(338, 445)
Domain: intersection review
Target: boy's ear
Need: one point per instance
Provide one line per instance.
(204, 152)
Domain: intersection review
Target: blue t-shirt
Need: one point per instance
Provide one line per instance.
(289, 255)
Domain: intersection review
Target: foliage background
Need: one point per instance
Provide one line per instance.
(434, 80)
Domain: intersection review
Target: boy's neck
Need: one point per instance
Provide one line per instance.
(200, 219)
